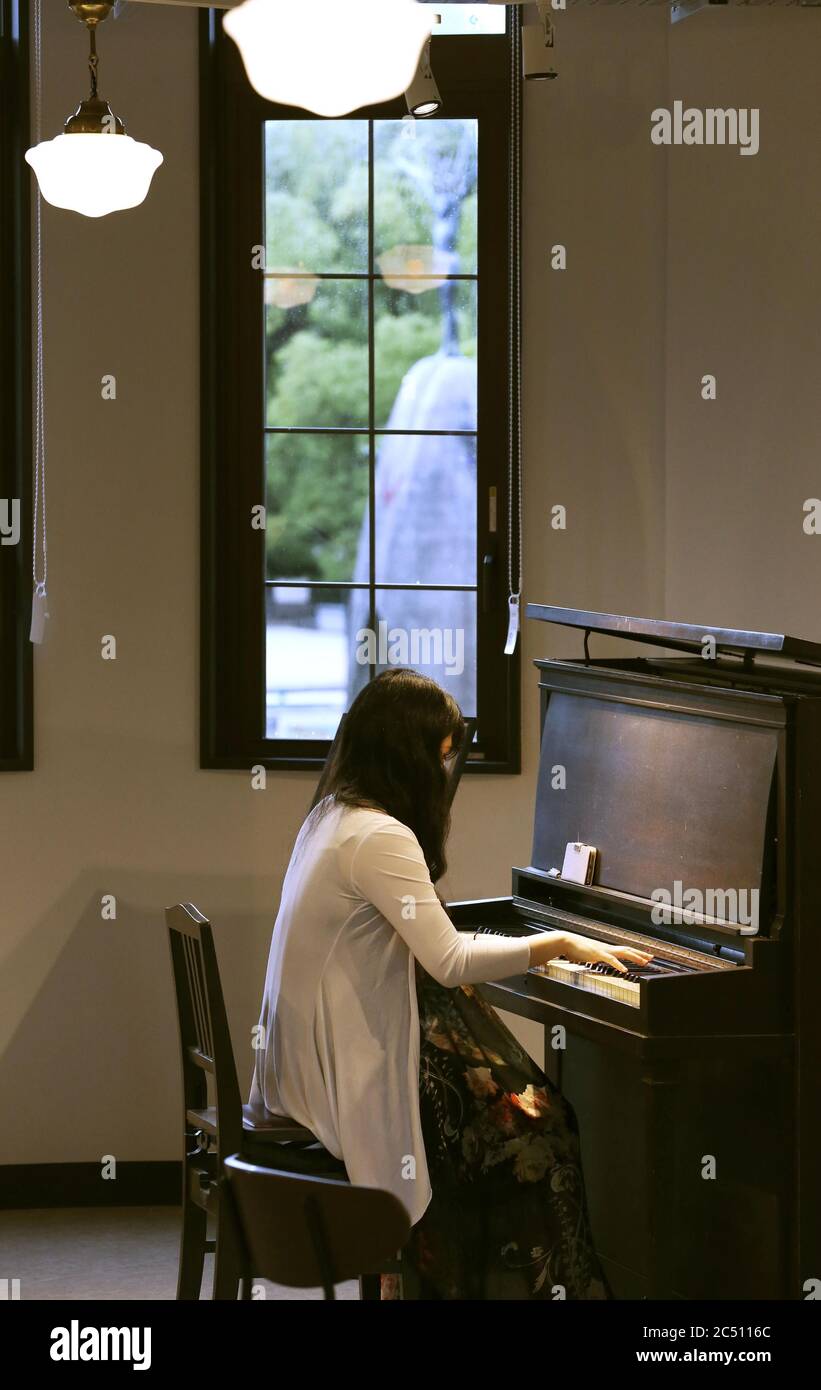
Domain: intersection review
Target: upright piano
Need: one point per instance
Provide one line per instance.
(695, 772)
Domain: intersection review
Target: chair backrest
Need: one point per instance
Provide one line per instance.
(205, 1040)
(309, 1232)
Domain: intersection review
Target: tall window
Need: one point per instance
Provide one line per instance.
(15, 436)
(370, 433)
(355, 416)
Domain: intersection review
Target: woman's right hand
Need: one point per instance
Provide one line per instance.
(584, 951)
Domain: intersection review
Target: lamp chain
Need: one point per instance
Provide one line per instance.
(92, 58)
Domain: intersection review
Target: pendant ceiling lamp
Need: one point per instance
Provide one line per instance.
(93, 168)
(330, 56)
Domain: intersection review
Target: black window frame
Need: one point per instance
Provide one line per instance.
(474, 75)
(16, 683)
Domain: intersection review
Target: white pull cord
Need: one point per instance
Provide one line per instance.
(39, 550)
(514, 579)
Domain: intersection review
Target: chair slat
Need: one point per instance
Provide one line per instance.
(196, 985)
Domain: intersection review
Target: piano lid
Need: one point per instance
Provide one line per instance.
(686, 637)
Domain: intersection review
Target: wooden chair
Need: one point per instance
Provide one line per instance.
(213, 1131)
(305, 1231)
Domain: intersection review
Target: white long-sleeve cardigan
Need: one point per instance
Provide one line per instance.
(339, 1014)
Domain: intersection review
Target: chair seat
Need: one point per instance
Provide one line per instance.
(258, 1125)
(256, 1120)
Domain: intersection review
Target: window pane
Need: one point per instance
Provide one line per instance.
(317, 355)
(425, 190)
(316, 504)
(432, 632)
(425, 349)
(425, 511)
(316, 195)
(307, 661)
(470, 19)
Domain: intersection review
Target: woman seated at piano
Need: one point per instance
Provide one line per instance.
(376, 1041)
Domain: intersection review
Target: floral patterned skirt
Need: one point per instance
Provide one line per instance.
(508, 1218)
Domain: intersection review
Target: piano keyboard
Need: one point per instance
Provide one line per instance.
(603, 979)
(613, 986)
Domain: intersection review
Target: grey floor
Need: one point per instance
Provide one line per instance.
(105, 1253)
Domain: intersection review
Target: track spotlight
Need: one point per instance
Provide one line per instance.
(537, 43)
(423, 96)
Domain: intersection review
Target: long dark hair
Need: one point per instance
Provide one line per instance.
(388, 756)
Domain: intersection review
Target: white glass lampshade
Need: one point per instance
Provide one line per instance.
(94, 173)
(329, 56)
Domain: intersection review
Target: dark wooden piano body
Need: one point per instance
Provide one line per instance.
(706, 772)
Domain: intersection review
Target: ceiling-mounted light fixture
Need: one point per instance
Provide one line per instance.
(93, 168)
(537, 43)
(423, 96)
(329, 56)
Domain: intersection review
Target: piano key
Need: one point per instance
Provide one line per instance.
(599, 978)
(612, 986)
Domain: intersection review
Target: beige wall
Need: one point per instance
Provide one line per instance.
(745, 304)
(117, 803)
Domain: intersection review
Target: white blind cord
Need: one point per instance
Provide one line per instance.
(39, 550)
(514, 533)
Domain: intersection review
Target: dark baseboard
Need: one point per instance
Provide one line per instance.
(26, 1185)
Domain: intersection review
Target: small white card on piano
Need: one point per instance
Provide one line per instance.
(579, 863)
